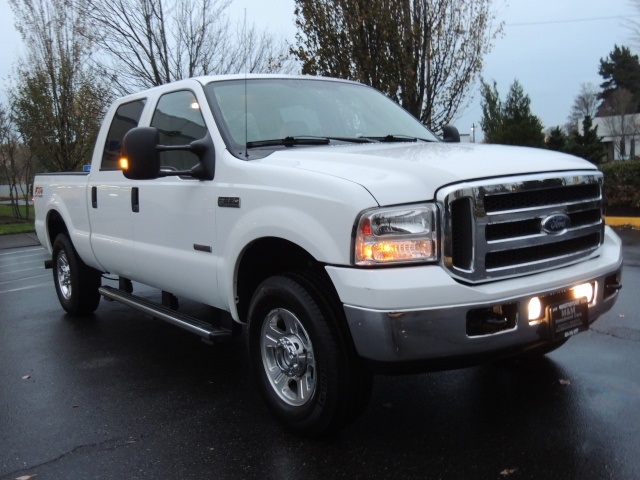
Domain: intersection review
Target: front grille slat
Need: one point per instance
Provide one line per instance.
(543, 252)
(494, 228)
(540, 198)
(531, 226)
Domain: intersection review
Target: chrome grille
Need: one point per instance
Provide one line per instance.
(494, 228)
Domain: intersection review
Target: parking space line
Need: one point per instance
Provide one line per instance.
(17, 259)
(48, 284)
(24, 278)
(21, 270)
(16, 264)
(13, 251)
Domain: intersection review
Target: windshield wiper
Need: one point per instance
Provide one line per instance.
(289, 142)
(352, 139)
(308, 140)
(398, 138)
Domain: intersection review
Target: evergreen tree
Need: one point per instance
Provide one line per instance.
(557, 140)
(620, 70)
(511, 122)
(491, 122)
(588, 144)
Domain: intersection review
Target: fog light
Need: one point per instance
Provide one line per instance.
(584, 290)
(535, 308)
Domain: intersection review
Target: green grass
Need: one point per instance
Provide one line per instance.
(9, 224)
(11, 228)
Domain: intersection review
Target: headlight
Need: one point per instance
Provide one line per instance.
(397, 235)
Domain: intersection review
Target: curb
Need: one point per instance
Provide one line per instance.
(622, 221)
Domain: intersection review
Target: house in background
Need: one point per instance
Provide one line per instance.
(621, 135)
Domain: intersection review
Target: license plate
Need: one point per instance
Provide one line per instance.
(569, 318)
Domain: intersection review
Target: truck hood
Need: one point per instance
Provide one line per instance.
(410, 172)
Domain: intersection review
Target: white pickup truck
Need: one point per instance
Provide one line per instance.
(345, 236)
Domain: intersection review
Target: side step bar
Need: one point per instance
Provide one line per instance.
(192, 324)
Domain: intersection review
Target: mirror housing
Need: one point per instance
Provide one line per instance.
(141, 150)
(450, 134)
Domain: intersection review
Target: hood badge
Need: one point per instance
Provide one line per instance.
(555, 224)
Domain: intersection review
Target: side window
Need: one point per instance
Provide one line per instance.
(179, 122)
(126, 117)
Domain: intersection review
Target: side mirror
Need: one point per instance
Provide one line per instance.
(450, 134)
(140, 152)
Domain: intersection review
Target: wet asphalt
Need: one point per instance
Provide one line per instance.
(118, 395)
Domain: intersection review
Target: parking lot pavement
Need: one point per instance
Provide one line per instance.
(118, 395)
(18, 240)
(22, 267)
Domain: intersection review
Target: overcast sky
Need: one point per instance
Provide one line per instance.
(550, 46)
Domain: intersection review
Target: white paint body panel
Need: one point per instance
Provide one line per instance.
(410, 172)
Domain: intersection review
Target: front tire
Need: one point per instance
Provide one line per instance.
(307, 368)
(76, 283)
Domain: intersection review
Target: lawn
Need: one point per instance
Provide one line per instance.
(9, 224)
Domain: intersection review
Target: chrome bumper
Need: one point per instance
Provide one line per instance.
(442, 334)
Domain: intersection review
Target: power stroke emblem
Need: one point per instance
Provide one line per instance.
(229, 202)
(555, 224)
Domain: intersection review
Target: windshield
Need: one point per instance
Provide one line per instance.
(278, 109)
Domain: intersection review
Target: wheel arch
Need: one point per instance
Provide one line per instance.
(55, 226)
(266, 257)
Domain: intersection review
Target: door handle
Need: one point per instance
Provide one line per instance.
(94, 197)
(135, 200)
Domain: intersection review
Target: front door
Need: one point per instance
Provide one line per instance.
(174, 225)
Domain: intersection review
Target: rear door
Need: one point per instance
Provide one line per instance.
(110, 194)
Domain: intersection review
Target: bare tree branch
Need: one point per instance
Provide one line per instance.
(584, 104)
(424, 54)
(17, 165)
(56, 86)
(152, 42)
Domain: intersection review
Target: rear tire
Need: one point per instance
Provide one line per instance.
(307, 369)
(76, 283)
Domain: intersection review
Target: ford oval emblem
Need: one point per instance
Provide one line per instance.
(555, 224)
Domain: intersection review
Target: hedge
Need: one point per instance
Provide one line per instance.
(622, 184)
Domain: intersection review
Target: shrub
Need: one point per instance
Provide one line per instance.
(622, 184)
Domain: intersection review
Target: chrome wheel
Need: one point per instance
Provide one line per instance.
(64, 275)
(76, 284)
(306, 369)
(287, 357)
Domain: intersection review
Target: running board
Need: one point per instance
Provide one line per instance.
(191, 324)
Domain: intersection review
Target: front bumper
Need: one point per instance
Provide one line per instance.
(426, 318)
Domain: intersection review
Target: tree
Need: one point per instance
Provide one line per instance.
(424, 54)
(511, 122)
(57, 101)
(587, 144)
(152, 42)
(557, 140)
(16, 164)
(492, 118)
(621, 70)
(584, 104)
